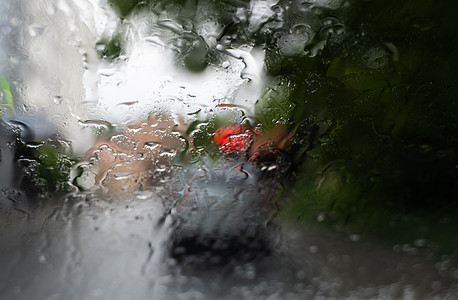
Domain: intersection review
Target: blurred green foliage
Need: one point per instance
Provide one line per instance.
(376, 118)
(8, 101)
(47, 167)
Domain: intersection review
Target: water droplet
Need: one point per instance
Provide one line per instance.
(43, 258)
(35, 30)
(106, 72)
(420, 243)
(313, 249)
(155, 40)
(226, 64)
(355, 237)
(170, 24)
(15, 21)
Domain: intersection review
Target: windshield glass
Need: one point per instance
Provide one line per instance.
(234, 149)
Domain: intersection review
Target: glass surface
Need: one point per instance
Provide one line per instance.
(232, 149)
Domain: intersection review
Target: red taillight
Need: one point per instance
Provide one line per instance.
(232, 138)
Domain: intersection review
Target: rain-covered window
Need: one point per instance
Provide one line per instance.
(228, 149)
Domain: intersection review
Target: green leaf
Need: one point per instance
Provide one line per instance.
(8, 100)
